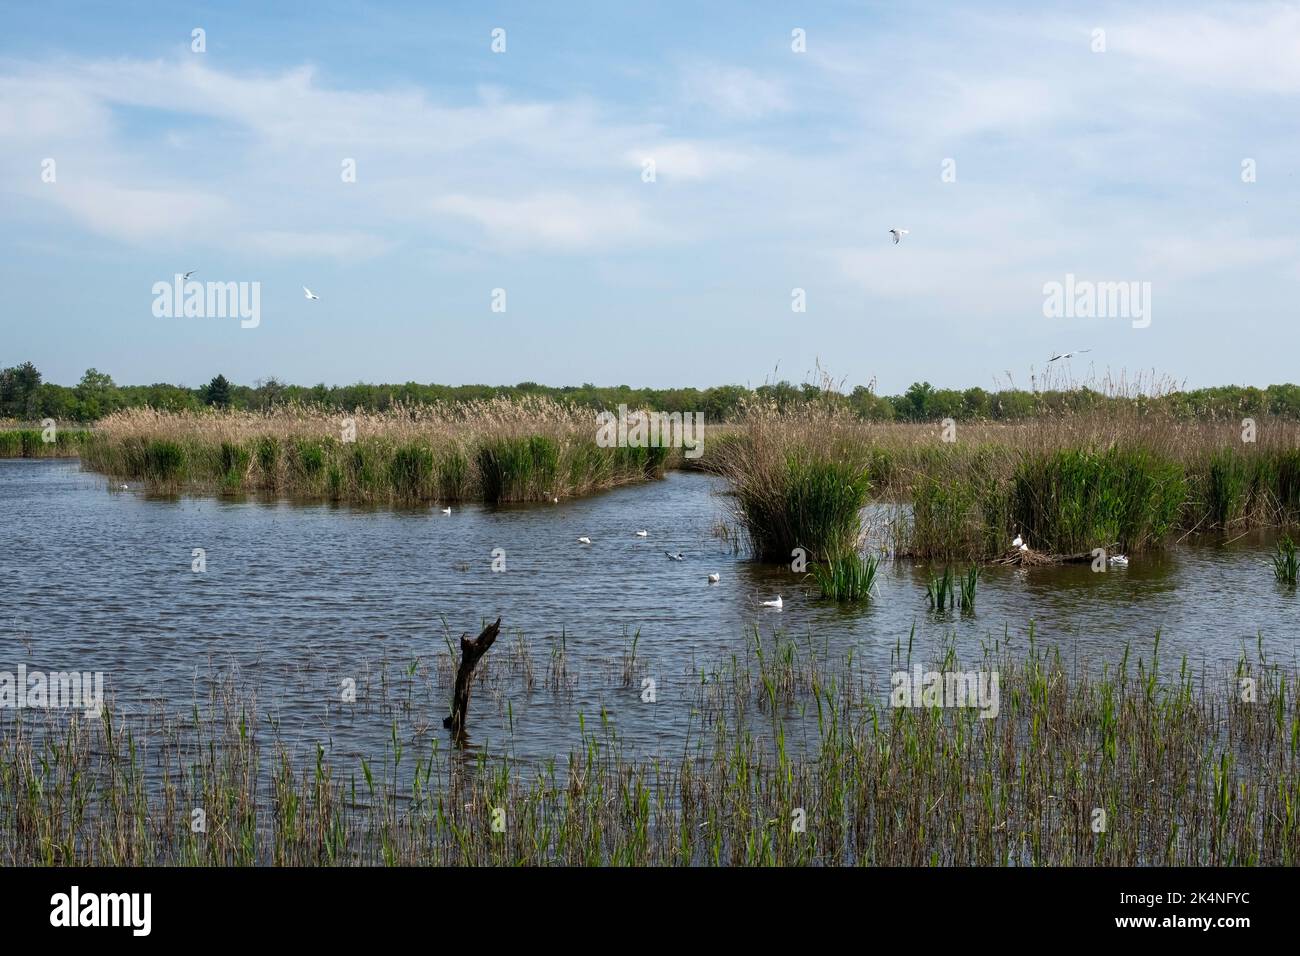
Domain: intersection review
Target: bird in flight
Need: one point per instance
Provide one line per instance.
(190, 273)
(1066, 355)
(309, 294)
(898, 234)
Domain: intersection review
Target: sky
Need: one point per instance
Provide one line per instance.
(1140, 143)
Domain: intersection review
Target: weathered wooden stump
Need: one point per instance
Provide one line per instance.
(470, 652)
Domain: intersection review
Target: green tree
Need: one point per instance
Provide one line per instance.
(217, 392)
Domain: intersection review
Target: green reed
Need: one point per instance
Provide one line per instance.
(1285, 565)
(1187, 769)
(846, 577)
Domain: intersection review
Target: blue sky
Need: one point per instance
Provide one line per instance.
(774, 170)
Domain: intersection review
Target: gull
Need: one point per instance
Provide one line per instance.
(446, 511)
(675, 557)
(584, 540)
(124, 488)
(776, 604)
(642, 534)
(1024, 547)
(1066, 355)
(898, 234)
(715, 578)
(309, 294)
(1119, 560)
(190, 273)
(555, 501)
(1017, 542)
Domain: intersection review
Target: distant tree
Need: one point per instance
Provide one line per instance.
(917, 399)
(96, 395)
(19, 391)
(217, 392)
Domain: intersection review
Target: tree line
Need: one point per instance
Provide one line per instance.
(25, 396)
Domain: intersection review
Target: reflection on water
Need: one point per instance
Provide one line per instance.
(297, 599)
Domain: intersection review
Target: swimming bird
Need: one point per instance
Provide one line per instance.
(776, 604)
(584, 540)
(715, 578)
(898, 234)
(642, 534)
(446, 510)
(675, 557)
(555, 501)
(124, 488)
(1066, 355)
(309, 294)
(1016, 541)
(1119, 560)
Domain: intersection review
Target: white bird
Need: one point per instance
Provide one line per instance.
(642, 534)
(776, 604)
(584, 540)
(715, 578)
(309, 294)
(446, 511)
(1024, 547)
(124, 488)
(898, 234)
(675, 557)
(1017, 542)
(1066, 355)
(190, 273)
(1118, 560)
(555, 501)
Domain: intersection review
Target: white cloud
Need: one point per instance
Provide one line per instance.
(734, 91)
(561, 221)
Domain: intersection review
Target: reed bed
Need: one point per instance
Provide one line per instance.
(794, 760)
(31, 443)
(1067, 484)
(495, 451)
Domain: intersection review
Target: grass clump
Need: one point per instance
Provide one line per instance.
(1073, 500)
(1285, 566)
(846, 577)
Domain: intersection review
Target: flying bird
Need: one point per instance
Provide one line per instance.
(1066, 355)
(776, 604)
(898, 234)
(309, 294)
(190, 273)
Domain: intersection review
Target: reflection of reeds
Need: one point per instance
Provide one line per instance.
(1182, 768)
(495, 451)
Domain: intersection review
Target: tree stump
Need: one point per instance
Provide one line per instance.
(470, 652)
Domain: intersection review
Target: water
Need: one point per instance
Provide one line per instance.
(298, 599)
